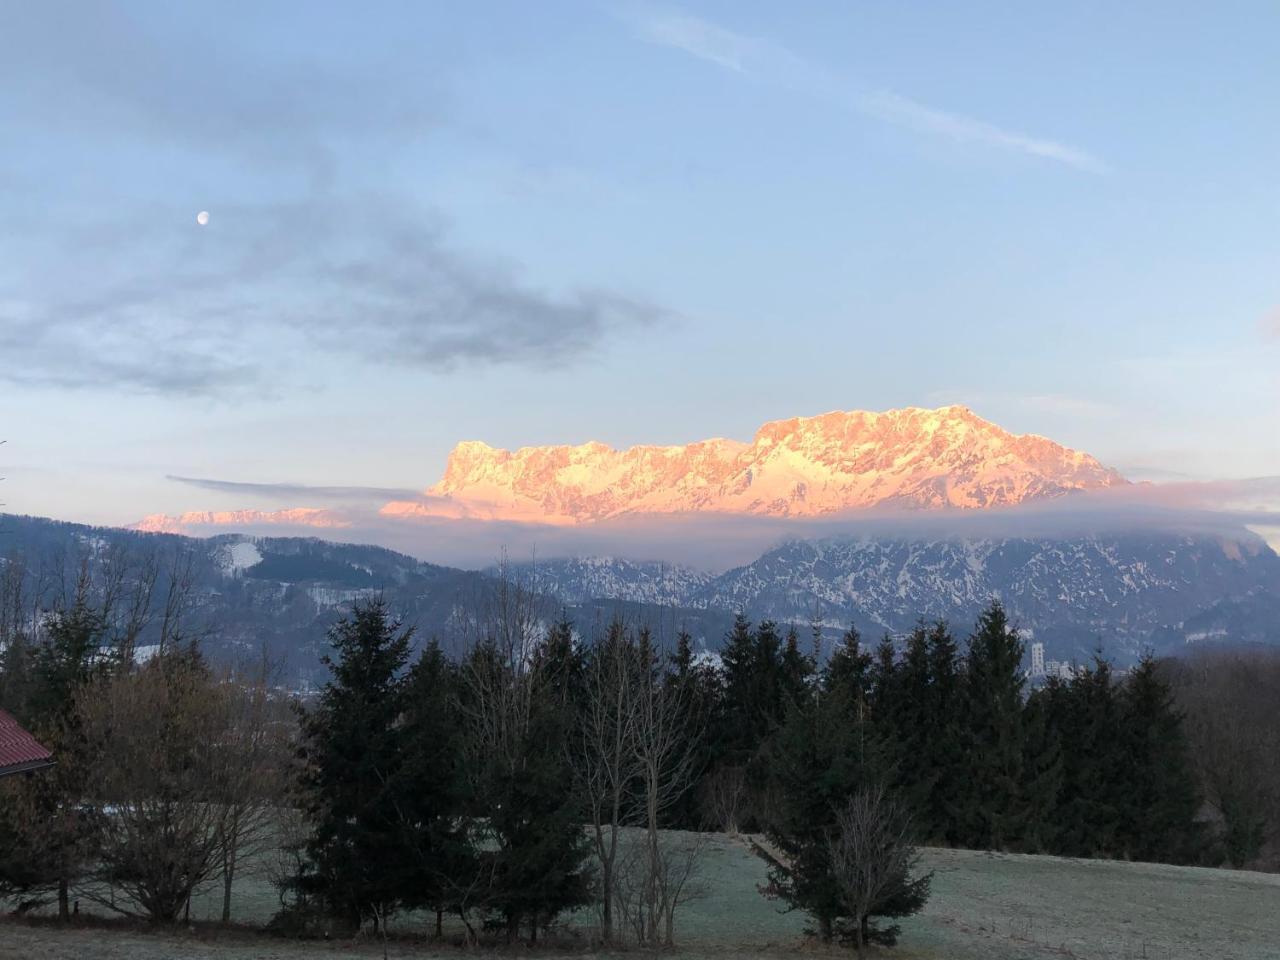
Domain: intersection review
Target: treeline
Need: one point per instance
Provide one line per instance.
(548, 769)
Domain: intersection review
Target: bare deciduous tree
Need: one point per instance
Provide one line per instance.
(872, 860)
(604, 756)
(256, 758)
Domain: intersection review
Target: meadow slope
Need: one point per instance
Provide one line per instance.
(985, 907)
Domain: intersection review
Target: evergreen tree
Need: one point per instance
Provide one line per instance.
(438, 859)
(735, 725)
(883, 677)
(700, 692)
(946, 741)
(525, 817)
(795, 670)
(910, 715)
(849, 668)
(1094, 775)
(354, 748)
(1157, 820)
(1042, 767)
(817, 758)
(994, 811)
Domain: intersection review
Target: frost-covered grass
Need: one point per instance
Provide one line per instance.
(984, 907)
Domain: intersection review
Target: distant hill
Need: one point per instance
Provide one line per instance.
(283, 593)
(1129, 592)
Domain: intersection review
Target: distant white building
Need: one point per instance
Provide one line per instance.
(1060, 669)
(1037, 659)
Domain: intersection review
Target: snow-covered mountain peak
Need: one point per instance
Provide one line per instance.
(916, 458)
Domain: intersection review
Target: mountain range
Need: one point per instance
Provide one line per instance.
(801, 467)
(1128, 592)
(845, 461)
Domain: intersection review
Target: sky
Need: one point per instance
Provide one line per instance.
(627, 222)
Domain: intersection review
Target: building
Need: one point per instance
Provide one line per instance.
(20, 752)
(1037, 659)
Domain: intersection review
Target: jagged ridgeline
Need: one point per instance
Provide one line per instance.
(1130, 592)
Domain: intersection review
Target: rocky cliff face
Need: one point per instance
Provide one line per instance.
(802, 467)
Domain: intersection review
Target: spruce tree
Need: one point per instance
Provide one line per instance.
(1158, 816)
(795, 670)
(849, 668)
(438, 860)
(946, 737)
(1042, 767)
(699, 691)
(994, 810)
(913, 722)
(1094, 776)
(524, 815)
(353, 746)
(817, 758)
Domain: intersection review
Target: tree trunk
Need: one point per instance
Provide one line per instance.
(439, 923)
(228, 878)
(606, 913)
(824, 929)
(64, 900)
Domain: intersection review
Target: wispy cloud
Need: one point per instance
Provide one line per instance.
(296, 491)
(906, 112)
(135, 297)
(770, 62)
(161, 306)
(702, 39)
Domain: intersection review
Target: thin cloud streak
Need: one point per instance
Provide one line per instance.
(773, 63)
(284, 491)
(906, 112)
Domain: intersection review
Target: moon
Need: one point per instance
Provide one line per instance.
(202, 217)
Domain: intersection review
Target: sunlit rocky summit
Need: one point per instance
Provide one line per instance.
(291, 517)
(948, 458)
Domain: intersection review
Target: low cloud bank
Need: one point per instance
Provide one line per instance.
(1240, 509)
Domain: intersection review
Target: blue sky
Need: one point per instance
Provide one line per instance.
(536, 223)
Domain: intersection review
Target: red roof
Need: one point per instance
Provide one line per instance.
(19, 750)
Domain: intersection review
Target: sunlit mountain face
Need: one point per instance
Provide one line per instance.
(293, 517)
(913, 459)
(948, 458)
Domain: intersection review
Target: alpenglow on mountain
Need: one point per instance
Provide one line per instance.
(802, 467)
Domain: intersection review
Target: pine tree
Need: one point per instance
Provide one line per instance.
(946, 738)
(795, 669)
(1042, 768)
(524, 815)
(849, 668)
(735, 726)
(817, 758)
(699, 690)
(1094, 775)
(1158, 816)
(438, 858)
(994, 812)
(354, 748)
(913, 722)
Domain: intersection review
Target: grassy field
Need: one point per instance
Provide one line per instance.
(984, 907)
